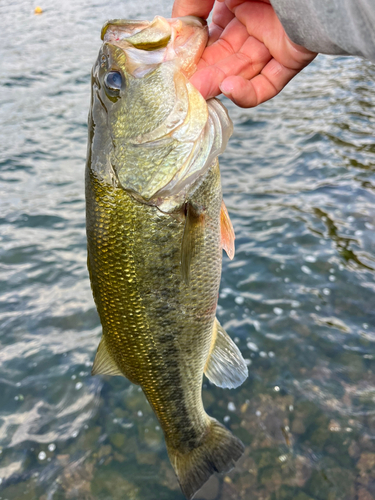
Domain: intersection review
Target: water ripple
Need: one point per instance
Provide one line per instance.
(298, 299)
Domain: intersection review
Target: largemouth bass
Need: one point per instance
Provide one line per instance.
(156, 227)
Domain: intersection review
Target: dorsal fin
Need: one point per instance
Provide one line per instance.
(103, 363)
(225, 366)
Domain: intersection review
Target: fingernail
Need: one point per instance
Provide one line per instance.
(226, 88)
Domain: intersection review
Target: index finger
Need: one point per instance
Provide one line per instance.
(199, 8)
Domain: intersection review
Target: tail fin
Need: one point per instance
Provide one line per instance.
(218, 452)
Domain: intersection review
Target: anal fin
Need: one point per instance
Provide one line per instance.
(225, 366)
(227, 231)
(103, 363)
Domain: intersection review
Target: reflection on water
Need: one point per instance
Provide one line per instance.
(299, 297)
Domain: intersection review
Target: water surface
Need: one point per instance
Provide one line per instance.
(299, 297)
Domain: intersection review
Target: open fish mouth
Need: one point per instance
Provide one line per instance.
(148, 43)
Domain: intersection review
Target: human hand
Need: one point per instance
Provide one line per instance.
(249, 57)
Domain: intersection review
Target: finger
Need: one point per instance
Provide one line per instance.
(261, 21)
(230, 42)
(214, 33)
(257, 52)
(209, 77)
(207, 81)
(232, 4)
(199, 8)
(249, 93)
(246, 63)
(221, 17)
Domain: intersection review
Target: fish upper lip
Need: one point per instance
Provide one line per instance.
(193, 21)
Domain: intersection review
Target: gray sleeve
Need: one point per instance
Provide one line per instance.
(330, 26)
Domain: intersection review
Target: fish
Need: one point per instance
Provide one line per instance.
(156, 228)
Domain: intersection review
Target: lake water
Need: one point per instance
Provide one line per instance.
(299, 297)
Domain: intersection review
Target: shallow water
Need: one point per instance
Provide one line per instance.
(299, 297)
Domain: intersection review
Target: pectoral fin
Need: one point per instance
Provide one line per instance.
(103, 363)
(227, 231)
(225, 365)
(194, 226)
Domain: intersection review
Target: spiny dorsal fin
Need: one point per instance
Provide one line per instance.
(225, 366)
(103, 363)
(194, 225)
(227, 231)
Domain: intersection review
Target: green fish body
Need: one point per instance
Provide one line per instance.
(156, 226)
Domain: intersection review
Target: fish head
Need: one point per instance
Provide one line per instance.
(155, 134)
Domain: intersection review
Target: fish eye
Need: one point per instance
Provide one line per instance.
(113, 80)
